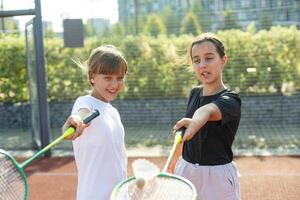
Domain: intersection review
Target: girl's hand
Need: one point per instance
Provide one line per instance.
(209, 112)
(171, 167)
(184, 122)
(190, 125)
(76, 121)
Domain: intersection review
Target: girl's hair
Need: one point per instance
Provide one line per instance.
(106, 59)
(209, 37)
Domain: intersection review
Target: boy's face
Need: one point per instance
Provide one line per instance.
(207, 63)
(107, 86)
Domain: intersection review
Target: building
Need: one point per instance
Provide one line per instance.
(99, 24)
(280, 12)
(130, 9)
(47, 25)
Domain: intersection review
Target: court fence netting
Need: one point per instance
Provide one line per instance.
(263, 45)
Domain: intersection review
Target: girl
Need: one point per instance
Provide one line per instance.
(212, 119)
(100, 151)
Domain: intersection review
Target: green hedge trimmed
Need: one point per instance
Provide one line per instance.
(156, 67)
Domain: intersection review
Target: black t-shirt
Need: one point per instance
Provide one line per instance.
(211, 145)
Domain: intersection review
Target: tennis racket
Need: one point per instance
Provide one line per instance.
(164, 185)
(13, 182)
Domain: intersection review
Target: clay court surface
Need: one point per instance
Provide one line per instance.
(261, 178)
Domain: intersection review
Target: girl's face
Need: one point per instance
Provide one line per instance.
(207, 63)
(107, 86)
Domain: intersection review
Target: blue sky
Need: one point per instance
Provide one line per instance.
(56, 10)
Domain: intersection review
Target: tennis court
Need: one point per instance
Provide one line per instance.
(261, 178)
(39, 84)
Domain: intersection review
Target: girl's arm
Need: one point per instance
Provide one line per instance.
(76, 120)
(175, 158)
(209, 112)
(202, 115)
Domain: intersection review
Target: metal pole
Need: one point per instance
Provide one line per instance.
(41, 76)
(13, 13)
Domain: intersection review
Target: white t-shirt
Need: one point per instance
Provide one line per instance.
(99, 152)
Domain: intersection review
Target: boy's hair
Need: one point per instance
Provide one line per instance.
(209, 37)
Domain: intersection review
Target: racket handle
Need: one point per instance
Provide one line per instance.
(179, 135)
(92, 116)
(177, 140)
(86, 120)
(67, 133)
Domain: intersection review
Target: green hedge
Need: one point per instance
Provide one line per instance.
(156, 65)
(13, 81)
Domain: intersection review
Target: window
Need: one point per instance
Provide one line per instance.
(245, 3)
(263, 3)
(242, 15)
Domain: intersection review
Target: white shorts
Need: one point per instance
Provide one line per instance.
(218, 182)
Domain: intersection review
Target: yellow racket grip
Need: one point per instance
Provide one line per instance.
(178, 138)
(68, 132)
(179, 134)
(86, 120)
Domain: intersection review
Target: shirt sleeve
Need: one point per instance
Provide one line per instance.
(81, 102)
(229, 104)
(193, 102)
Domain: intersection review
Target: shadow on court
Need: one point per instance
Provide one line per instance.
(261, 178)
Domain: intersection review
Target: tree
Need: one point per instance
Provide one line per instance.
(154, 25)
(9, 24)
(202, 15)
(190, 24)
(49, 33)
(89, 30)
(170, 20)
(136, 16)
(118, 29)
(265, 20)
(107, 32)
(251, 28)
(230, 21)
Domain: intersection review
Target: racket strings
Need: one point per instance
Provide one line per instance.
(12, 186)
(165, 188)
